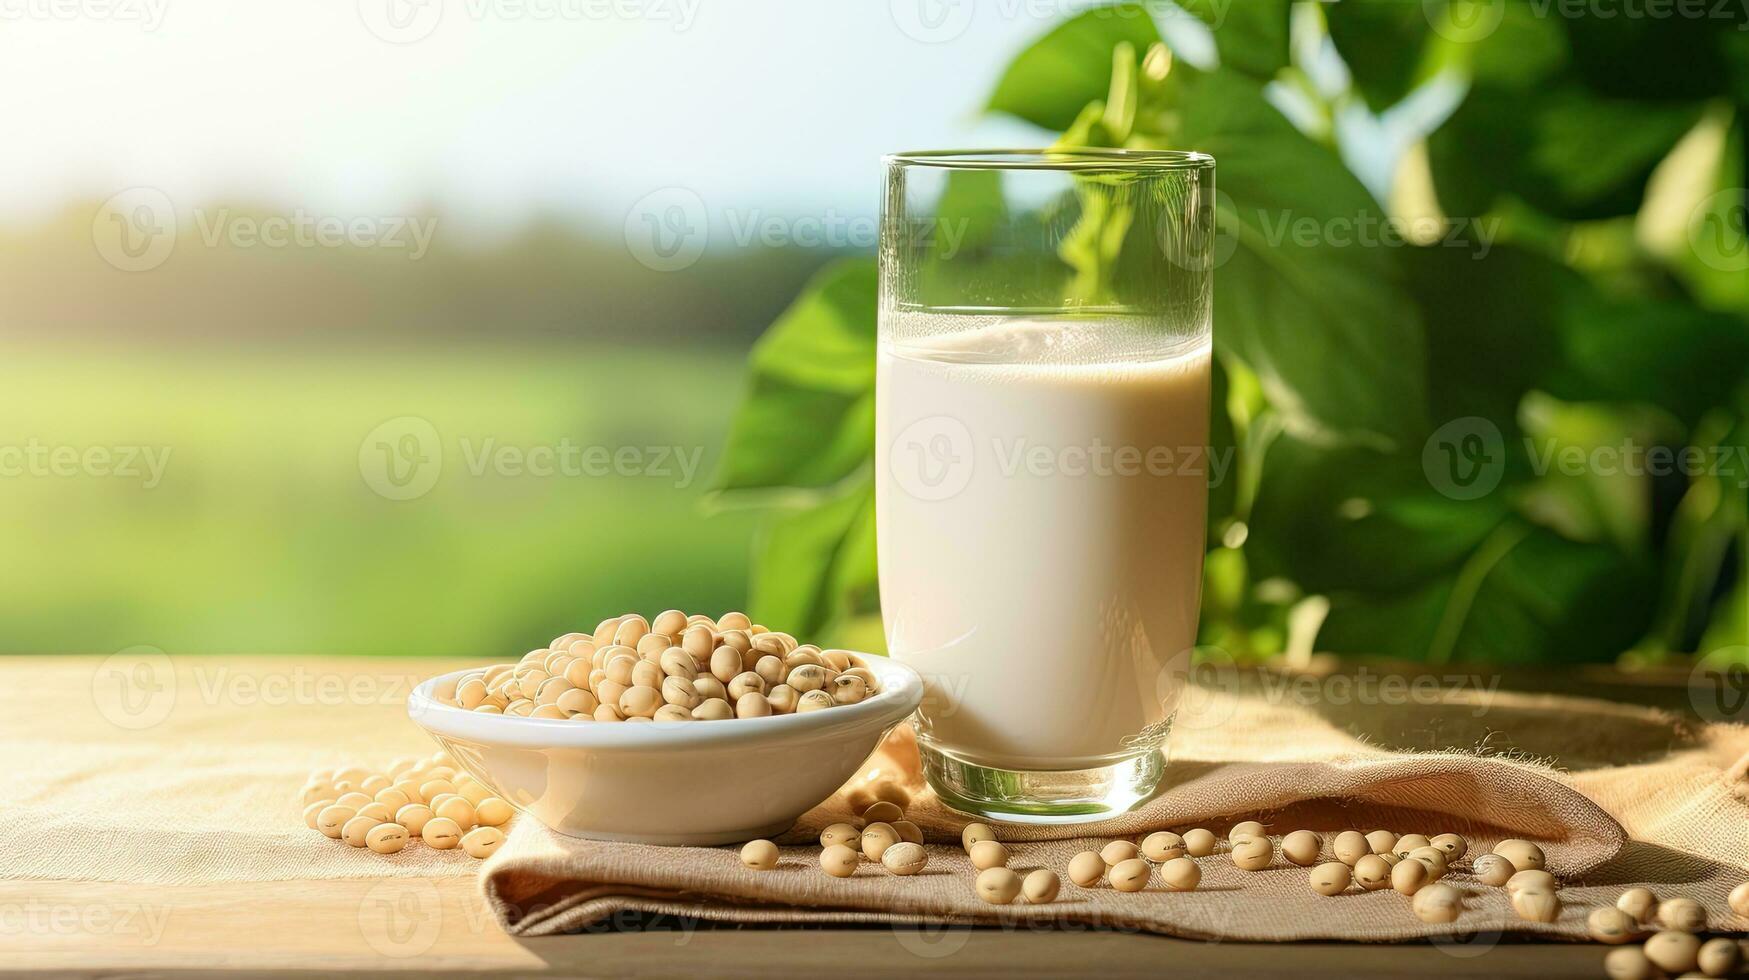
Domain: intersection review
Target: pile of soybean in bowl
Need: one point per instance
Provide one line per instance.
(673, 668)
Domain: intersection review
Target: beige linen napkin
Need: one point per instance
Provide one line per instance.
(1308, 764)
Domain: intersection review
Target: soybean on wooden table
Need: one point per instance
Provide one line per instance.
(344, 926)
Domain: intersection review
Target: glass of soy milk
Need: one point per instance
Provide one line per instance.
(1042, 408)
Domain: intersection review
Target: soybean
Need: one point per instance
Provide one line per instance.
(760, 855)
(387, 838)
(1331, 878)
(355, 830)
(882, 811)
(998, 886)
(1673, 952)
(877, 837)
(1611, 925)
(839, 861)
(840, 833)
(905, 858)
(1717, 957)
(1684, 914)
(1302, 847)
(1199, 843)
(333, 819)
(1524, 855)
(1118, 851)
(1409, 842)
(1248, 828)
(1372, 873)
(1162, 846)
(1639, 903)
(987, 854)
(1492, 869)
(1350, 846)
(414, 817)
(1408, 877)
(1040, 887)
(1086, 868)
(1627, 963)
(482, 842)
(1454, 846)
(1437, 903)
(1181, 874)
(1131, 875)
(441, 833)
(1253, 853)
(1381, 841)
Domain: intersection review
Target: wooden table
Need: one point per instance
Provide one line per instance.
(441, 925)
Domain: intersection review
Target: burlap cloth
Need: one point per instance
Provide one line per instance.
(185, 771)
(1671, 815)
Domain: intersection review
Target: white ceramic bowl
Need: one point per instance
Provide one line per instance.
(678, 782)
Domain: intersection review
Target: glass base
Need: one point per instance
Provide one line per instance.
(1045, 797)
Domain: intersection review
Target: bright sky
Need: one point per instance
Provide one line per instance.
(492, 109)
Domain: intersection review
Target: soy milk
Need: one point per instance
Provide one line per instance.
(1042, 518)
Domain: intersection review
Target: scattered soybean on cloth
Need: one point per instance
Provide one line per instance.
(1615, 795)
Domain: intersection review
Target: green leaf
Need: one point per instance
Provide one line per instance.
(1522, 51)
(972, 208)
(1502, 324)
(807, 419)
(826, 339)
(1250, 35)
(1566, 152)
(1526, 595)
(1382, 44)
(1048, 83)
(1493, 323)
(1359, 521)
(816, 566)
(1728, 632)
(1093, 246)
(1682, 57)
(1673, 355)
(1321, 317)
(1121, 98)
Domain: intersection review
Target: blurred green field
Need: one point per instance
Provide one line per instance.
(264, 536)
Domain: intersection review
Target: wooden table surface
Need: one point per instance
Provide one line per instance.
(442, 925)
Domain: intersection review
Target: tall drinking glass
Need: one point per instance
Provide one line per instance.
(1042, 417)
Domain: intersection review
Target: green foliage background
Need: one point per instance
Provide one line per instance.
(1613, 306)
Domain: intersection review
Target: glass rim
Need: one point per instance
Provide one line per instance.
(1068, 159)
